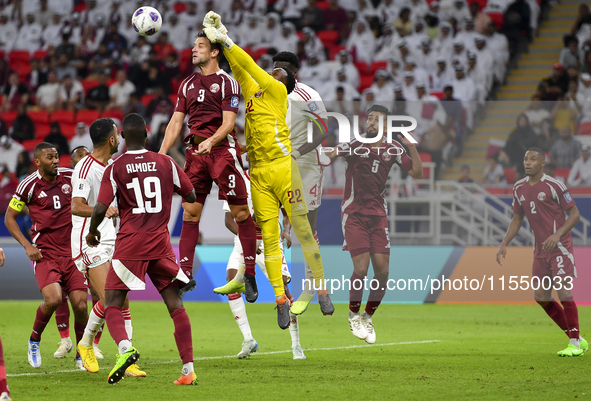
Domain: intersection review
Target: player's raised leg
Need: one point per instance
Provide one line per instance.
(62, 319)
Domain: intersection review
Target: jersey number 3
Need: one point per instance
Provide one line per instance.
(151, 191)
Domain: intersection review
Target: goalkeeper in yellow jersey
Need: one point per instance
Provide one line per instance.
(275, 178)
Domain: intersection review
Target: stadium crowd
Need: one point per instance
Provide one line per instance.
(65, 63)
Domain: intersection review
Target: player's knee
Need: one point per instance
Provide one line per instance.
(241, 214)
(541, 298)
(53, 302)
(79, 306)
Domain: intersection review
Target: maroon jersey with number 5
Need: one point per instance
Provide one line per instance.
(204, 98)
(544, 204)
(49, 207)
(143, 183)
(366, 175)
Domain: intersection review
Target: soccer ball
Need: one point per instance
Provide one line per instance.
(146, 21)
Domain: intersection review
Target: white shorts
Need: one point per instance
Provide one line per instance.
(312, 178)
(237, 259)
(93, 257)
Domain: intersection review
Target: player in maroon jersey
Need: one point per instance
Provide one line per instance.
(143, 183)
(544, 200)
(364, 215)
(211, 100)
(48, 193)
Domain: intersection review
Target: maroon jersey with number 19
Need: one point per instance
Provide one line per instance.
(544, 204)
(144, 183)
(366, 175)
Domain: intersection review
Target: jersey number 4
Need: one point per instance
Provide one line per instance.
(151, 191)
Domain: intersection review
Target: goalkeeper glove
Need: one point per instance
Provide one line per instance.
(215, 36)
(213, 20)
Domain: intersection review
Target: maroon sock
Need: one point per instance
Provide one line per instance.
(97, 338)
(62, 318)
(79, 329)
(572, 316)
(3, 385)
(187, 244)
(555, 311)
(355, 292)
(116, 324)
(375, 297)
(247, 234)
(41, 320)
(182, 334)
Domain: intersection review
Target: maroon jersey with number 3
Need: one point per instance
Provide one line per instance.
(544, 204)
(366, 175)
(144, 183)
(204, 98)
(49, 207)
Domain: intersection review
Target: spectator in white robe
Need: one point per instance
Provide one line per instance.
(313, 44)
(443, 76)
(396, 72)
(408, 86)
(486, 58)
(328, 92)
(443, 44)
(419, 8)
(313, 72)
(386, 44)
(419, 74)
(346, 61)
(8, 33)
(482, 78)
(467, 34)
(383, 86)
(288, 39)
(387, 11)
(464, 90)
(362, 42)
(499, 46)
(250, 32)
(52, 34)
(419, 34)
(271, 32)
(426, 58)
(29, 35)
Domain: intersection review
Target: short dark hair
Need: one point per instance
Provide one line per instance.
(100, 130)
(288, 57)
(134, 128)
(78, 147)
(539, 150)
(42, 145)
(291, 81)
(378, 108)
(213, 46)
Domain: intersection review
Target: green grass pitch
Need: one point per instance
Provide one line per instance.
(483, 352)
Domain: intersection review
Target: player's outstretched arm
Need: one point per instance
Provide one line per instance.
(573, 218)
(98, 215)
(516, 223)
(10, 222)
(173, 131)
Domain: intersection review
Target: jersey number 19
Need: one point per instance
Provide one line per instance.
(150, 192)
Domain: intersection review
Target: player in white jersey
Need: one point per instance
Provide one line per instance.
(305, 104)
(94, 262)
(236, 264)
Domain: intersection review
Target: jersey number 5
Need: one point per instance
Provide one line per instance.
(151, 191)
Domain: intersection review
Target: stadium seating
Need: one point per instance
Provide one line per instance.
(328, 38)
(378, 65)
(562, 172)
(65, 161)
(425, 158)
(510, 175)
(362, 67)
(87, 116)
(63, 116)
(9, 117)
(40, 116)
(585, 129)
(260, 52)
(116, 114)
(68, 129)
(40, 54)
(497, 18)
(88, 84)
(30, 144)
(365, 81)
(146, 99)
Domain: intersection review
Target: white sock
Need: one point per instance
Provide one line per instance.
(239, 313)
(188, 368)
(240, 274)
(294, 330)
(308, 284)
(575, 342)
(124, 346)
(129, 329)
(92, 328)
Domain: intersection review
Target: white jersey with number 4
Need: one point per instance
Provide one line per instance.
(302, 102)
(86, 183)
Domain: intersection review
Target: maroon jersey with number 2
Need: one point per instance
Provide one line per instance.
(144, 183)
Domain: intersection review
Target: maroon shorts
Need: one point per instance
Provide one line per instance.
(559, 265)
(222, 166)
(131, 274)
(62, 270)
(365, 234)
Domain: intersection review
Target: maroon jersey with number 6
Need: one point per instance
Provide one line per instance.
(49, 207)
(544, 204)
(366, 175)
(144, 183)
(204, 98)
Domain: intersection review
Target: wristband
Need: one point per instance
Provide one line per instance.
(295, 154)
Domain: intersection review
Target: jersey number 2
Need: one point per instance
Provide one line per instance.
(532, 204)
(149, 193)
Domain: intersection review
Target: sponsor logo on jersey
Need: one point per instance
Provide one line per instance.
(234, 101)
(312, 106)
(214, 88)
(190, 87)
(561, 271)
(231, 193)
(42, 194)
(258, 94)
(567, 197)
(522, 199)
(66, 189)
(541, 196)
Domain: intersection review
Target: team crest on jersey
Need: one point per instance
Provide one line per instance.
(567, 197)
(258, 94)
(386, 156)
(541, 196)
(214, 88)
(66, 189)
(96, 259)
